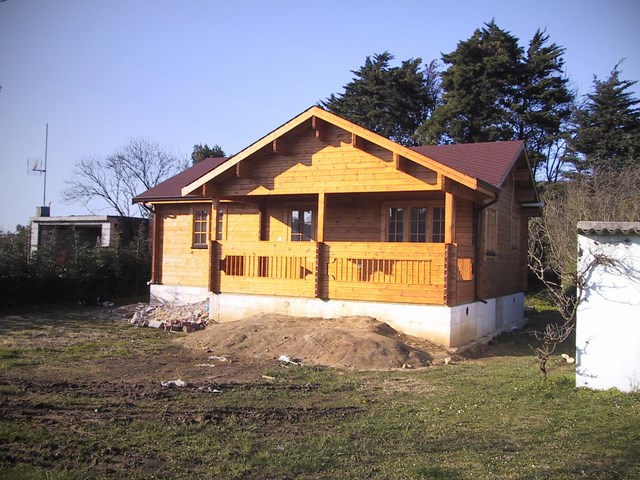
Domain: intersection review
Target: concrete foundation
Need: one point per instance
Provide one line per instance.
(160, 294)
(448, 326)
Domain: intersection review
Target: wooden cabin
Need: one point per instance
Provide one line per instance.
(323, 218)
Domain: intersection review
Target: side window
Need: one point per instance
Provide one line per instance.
(491, 232)
(220, 224)
(301, 222)
(200, 222)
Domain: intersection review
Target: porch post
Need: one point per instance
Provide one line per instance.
(449, 218)
(320, 253)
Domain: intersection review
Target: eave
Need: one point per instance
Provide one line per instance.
(317, 116)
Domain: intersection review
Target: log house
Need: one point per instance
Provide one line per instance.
(324, 218)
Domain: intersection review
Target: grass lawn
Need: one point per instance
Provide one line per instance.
(80, 397)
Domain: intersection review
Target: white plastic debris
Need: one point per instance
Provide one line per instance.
(217, 358)
(209, 390)
(174, 383)
(288, 360)
(205, 365)
(568, 358)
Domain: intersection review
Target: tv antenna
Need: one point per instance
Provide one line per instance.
(35, 167)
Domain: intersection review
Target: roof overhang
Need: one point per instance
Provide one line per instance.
(314, 113)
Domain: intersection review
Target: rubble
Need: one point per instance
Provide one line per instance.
(172, 317)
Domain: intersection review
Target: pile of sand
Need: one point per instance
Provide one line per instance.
(348, 342)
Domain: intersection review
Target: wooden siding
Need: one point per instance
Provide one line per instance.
(333, 165)
(505, 273)
(181, 264)
(242, 223)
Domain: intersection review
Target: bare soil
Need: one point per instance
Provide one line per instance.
(361, 343)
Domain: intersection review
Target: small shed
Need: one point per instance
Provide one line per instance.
(608, 317)
(91, 230)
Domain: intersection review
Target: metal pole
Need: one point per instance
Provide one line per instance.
(46, 144)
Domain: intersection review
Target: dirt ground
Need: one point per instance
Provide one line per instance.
(361, 343)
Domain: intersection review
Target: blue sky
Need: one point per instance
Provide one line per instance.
(219, 72)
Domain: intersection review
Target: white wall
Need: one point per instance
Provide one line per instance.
(608, 319)
(448, 326)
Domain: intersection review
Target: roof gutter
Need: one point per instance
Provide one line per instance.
(478, 244)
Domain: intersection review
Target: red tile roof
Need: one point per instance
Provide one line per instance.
(171, 188)
(489, 161)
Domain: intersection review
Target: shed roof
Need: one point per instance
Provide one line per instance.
(609, 228)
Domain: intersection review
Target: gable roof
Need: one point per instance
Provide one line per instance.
(479, 166)
(319, 113)
(488, 161)
(170, 189)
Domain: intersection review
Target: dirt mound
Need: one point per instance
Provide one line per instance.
(347, 342)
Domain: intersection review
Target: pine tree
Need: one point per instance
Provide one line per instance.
(607, 133)
(391, 101)
(201, 152)
(494, 90)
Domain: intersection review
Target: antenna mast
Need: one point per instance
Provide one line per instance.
(46, 145)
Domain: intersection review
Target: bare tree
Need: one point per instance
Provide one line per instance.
(111, 182)
(553, 251)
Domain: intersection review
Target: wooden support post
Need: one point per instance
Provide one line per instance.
(156, 246)
(321, 214)
(399, 162)
(449, 218)
(357, 142)
(242, 170)
(279, 146)
(319, 126)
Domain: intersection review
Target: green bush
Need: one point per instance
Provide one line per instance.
(79, 274)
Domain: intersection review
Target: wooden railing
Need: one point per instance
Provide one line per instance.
(391, 272)
(270, 268)
(426, 273)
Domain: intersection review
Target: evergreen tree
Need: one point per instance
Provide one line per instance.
(479, 90)
(391, 101)
(494, 90)
(201, 152)
(607, 133)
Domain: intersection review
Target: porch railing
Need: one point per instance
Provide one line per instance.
(371, 271)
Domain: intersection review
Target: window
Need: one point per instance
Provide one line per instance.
(220, 224)
(491, 232)
(200, 223)
(396, 225)
(301, 225)
(419, 227)
(437, 233)
(418, 232)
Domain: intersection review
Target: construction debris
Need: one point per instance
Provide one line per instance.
(172, 317)
(174, 383)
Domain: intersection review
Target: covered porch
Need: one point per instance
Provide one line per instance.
(415, 273)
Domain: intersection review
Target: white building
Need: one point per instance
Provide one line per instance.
(608, 318)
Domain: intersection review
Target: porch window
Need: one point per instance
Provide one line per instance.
(396, 225)
(200, 223)
(301, 225)
(437, 235)
(425, 224)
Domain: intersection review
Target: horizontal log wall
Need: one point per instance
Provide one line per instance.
(181, 264)
(333, 165)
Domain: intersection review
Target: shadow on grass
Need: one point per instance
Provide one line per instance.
(519, 343)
